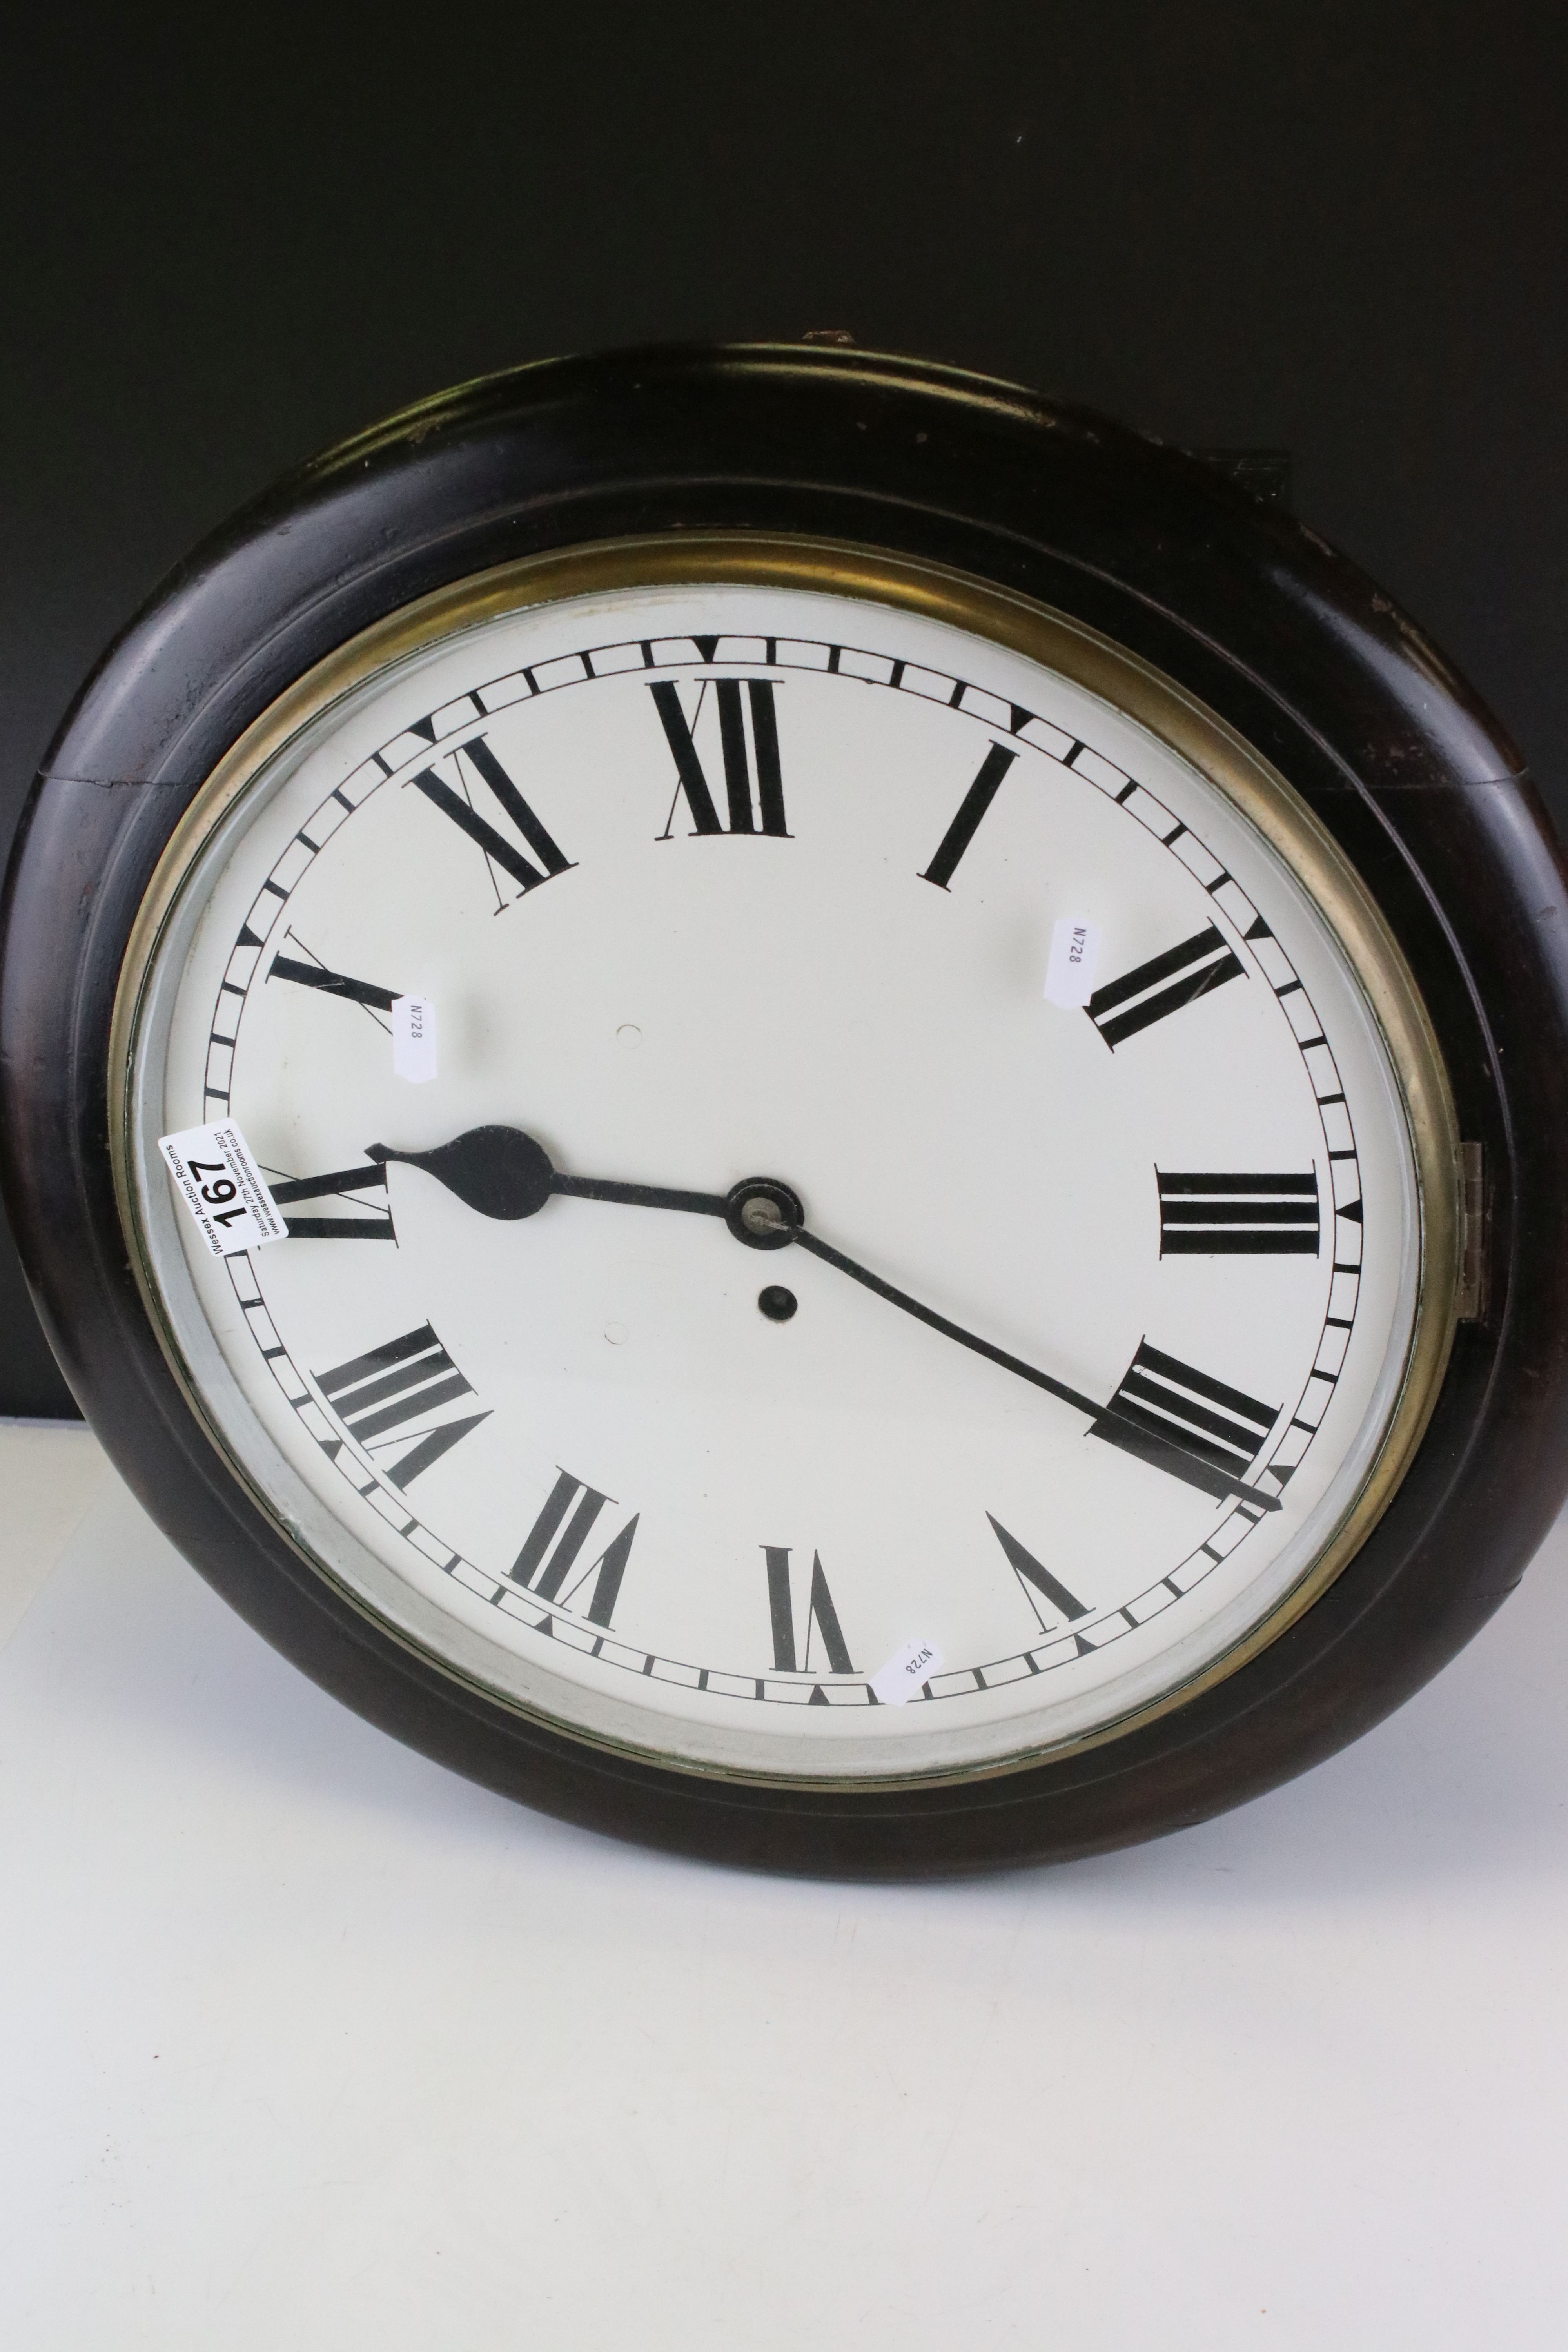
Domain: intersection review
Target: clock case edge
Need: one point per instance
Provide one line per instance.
(1244, 608)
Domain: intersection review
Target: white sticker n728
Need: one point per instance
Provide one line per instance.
(1075, 951)
(223, 1187)
(413, 1038)
(906, 1672)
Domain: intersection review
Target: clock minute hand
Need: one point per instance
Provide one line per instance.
(504, 1173)
(1096, 1412)
(825, 1250)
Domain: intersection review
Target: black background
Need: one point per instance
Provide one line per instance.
(1332, 227)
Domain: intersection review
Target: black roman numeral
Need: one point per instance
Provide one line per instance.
(1162, 985)
(496, 848)
(341, 1184)
(971, 809)
(1179, 1420)
(378, 1394)
(821, 1617)
(767, 815)
(332, 983)
(550, 1552)
(1216, 1217)
(1029, 1570)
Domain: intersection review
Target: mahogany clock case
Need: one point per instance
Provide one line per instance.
(1240, 606)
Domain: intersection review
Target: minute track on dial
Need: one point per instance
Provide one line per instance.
(504, 1173)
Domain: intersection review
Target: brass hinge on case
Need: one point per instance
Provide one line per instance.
(1475, 1233)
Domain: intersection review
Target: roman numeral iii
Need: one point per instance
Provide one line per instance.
(1179, 1420)
(551, 1550)
(452, 803)
(821, 1617)
(1216, 1217)
(379, 1397)
(1162, 985)
(754, 779)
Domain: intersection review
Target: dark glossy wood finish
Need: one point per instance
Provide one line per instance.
(1232, 598)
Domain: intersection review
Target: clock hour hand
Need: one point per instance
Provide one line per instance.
(501, 1172)
(504, 1173)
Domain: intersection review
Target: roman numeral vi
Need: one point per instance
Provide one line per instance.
(821, 1617)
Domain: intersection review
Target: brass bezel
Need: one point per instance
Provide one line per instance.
(1255, 788)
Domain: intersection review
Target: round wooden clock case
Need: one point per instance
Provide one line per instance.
(974, 1269)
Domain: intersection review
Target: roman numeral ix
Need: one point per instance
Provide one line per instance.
(499, 850)
(821, 1618)
(1181, 1421)
(379, 1395)
(344, 1183)
(1214, 1216)
(753, 785)
(552, 1546)
(1162, 985)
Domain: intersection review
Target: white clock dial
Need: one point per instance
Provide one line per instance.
(1097, 1315)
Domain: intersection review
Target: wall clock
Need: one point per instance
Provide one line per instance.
(805, 1107)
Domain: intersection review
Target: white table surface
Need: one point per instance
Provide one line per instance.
(305, 2043)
